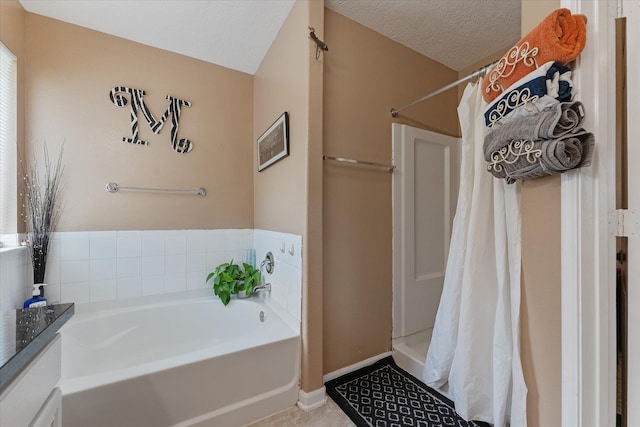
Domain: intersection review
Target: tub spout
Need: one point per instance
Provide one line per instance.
(265, 287)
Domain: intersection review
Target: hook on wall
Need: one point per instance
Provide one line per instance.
(320, 45)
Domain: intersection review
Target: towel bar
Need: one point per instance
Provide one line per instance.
(386, 166)
(112, 187)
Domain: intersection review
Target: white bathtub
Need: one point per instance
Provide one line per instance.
(191, 362)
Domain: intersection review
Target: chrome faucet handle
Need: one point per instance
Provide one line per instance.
(268, 263)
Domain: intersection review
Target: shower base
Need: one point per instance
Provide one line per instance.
(410, 352)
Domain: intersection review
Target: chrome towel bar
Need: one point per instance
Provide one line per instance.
(386, 166)
(112, 187)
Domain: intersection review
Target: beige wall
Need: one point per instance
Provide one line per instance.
(280, 85)
(312, 328)
(12, 32)
(69, 75)
(541, 309)
(288, 195)
(365, 75)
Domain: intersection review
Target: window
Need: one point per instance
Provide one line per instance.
(8, 141)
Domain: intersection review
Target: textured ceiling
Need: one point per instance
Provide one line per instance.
(237, 33)
(456, 33)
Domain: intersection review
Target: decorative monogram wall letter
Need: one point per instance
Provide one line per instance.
(118, 97)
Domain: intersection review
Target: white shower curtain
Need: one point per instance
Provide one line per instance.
(474, 355)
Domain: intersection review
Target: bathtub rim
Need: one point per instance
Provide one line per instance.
(168, 298)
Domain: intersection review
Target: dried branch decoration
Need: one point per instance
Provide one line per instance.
(42, 210)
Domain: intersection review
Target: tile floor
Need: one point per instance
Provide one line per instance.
(329, 415)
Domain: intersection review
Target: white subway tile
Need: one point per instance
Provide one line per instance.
(215, 240)
(197, 280)
(196, 262)
(196, 241)
(176, 242)
(75, 292)
(103, 269)
(68, 235)
(176, 282)
(52, 294)
(129, 267)
(55, 250)
(129, 246)
(103, 290)
(103, 235)
(214, 259)
(52, 273)
(176, 264)
(294, 303)
(247, 238)
(236, 256)
(129, 234)
(74, 272)
(153, 285)
(234, 240)
(153, 243)
(102, 247)
(129, 287)
(153, 266)
(278, 295)
(74, 249)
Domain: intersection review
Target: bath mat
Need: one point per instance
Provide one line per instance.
(384, 395)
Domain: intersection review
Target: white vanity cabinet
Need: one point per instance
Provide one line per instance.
(32, 399)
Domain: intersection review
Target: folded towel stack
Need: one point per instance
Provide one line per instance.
(547, 143)
(536, 127)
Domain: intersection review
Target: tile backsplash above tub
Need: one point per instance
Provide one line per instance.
(108, 265)
(286, 278)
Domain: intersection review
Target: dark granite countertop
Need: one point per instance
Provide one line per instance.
(24, 332)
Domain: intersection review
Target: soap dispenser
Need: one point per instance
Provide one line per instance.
(36, 300)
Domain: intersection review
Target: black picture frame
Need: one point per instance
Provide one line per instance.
(273, 144)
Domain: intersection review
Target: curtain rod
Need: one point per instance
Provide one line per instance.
(480, 72)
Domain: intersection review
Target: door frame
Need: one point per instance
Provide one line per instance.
(587, 249)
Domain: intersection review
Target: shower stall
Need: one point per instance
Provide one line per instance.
(425, 188)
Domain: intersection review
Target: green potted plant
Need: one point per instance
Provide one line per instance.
(229, 279)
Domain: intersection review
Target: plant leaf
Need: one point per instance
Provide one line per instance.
(225, 298)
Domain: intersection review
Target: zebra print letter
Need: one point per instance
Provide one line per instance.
(137, 103)
(180, 146)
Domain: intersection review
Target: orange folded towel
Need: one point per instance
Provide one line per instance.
(560, 37)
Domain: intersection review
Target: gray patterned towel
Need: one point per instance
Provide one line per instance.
(527, 159)
(552, 122)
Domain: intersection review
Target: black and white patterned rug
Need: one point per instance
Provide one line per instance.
(384, 395)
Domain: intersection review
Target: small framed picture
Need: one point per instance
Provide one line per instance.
(273, 144)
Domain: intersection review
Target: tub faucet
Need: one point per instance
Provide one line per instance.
(268, 263)
(265, 287)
